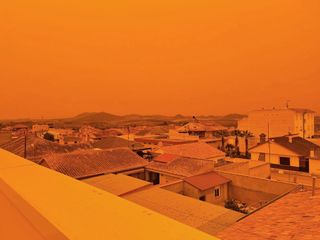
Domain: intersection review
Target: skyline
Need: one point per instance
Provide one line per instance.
(172, 57)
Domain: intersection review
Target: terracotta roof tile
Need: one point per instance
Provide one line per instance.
(38, 147)
(295, 217)
(207, 180)
(116, 142)
(182, 166)
(194, 150)
(166, 158)
(88, 163)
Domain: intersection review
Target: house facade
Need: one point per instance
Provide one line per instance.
(209, 187)
(289, 153)
(279, 122)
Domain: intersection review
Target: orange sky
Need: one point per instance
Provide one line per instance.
(60, 58)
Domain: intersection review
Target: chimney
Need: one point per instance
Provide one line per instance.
(262, 138)
(312, 154)
(290, 139)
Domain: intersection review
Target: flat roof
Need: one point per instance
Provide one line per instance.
(83, 212)
(117, 184)
(19, 220)
(204, 216)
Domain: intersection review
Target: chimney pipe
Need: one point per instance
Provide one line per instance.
(290, 139)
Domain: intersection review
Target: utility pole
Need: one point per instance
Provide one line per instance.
(128, 136)
(269, 142)
(25, 143)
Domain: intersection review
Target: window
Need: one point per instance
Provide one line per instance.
(217, 192)
(262, 157)
(202, 198)
(285, 161)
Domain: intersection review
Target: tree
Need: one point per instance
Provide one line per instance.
(229, 148)
(247, 134)
(49, 137)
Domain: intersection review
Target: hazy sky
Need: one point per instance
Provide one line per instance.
(63, 57)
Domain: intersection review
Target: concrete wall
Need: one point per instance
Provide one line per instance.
(278, 122)
(186, 189)
(164, 179)
(253, 190)
(247, 167)
(237, 167)
(177, 187)
(314, 167)
(261, 171)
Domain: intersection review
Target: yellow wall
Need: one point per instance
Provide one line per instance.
(275, 152)
(314, 167)
(193, 192)
(280, 121)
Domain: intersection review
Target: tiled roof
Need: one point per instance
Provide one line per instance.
(299, 145)
(117, 184)
(116, 142)
(295, 217)
(194, 150)
(166, 158)
(204, 216)
(182, 166)
(78, 210)
(38, 147)
(88, 163)
(207, 180)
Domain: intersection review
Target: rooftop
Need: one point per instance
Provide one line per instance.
(194, 150)
(38, 147)
(201, 215)
(116, 142)
(298, 145)
(117, 184)
(295, 217)
(182, 166)
(166, 158)
(207, 180)
(16, 213)
(87, 163)
(201, 127)
(80, 211)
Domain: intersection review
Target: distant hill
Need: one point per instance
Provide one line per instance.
(94, 117)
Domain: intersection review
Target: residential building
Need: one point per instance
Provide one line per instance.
(279, 122)
(201, 129)
(40, 128)
(210, 187)
(199, 150)
(201, 215)
(88, 163)
(288, 152)
(167, 168)
(37, 203)
(34, 148)
(294, 216)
